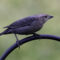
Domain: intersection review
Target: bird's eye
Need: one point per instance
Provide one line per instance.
(45, 16)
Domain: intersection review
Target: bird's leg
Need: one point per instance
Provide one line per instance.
(35, 34)
(17, 41)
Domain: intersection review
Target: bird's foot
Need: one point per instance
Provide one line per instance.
(17, 42)
(36, 35)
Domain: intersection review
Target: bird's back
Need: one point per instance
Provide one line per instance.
(21, 23)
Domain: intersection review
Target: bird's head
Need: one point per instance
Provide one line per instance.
(44, 17)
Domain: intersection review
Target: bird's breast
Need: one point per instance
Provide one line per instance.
(37, 25)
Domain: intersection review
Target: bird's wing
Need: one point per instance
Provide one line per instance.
(21, 23)
(24, 30)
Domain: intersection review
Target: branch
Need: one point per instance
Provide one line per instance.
(25, 40)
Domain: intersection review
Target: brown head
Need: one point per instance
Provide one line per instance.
(43, 17)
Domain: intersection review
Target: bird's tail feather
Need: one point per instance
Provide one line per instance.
(4, 32)
(1, 34)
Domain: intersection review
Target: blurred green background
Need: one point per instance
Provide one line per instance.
(12, 10)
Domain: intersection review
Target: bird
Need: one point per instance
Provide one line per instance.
(27, 25)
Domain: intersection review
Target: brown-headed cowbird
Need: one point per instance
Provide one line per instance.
(28, 25)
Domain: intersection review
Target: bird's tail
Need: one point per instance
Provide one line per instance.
(4, 32)
(1, 34)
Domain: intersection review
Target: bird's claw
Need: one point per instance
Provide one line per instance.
(17, 42)
(36, 35)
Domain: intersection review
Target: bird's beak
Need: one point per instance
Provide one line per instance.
(50, 17)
